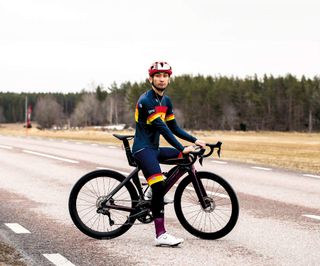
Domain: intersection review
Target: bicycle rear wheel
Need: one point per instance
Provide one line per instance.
(221, 215)
(85, 199)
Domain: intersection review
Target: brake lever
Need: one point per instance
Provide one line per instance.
(200, 154)
(201, 159)
(219, 148)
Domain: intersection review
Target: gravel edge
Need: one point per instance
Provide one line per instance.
(9, 255)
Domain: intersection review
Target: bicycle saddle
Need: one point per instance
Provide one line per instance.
(122, 137)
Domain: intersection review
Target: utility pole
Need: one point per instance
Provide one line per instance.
(26, 111)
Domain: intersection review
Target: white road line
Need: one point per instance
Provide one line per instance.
(261, 168)
(94, 144)
(17, 228)
(215, 194)
(315, 176)
(50, 156)
(58, 259)
(219, 162)
(5, 147)
(312, 216)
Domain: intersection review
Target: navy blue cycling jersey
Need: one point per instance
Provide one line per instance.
(154, 116)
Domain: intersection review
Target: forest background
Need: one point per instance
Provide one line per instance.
(284, 103)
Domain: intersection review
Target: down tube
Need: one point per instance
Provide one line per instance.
(175, 177)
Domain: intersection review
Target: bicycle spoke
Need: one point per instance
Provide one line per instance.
(98, 214)
(196, 217)
(97, 185)
(86, 213)
(92, 207)
(87, 202)
(214, 217)
(90, 193)
(93, 190)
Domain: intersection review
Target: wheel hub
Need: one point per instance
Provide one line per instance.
(210, 205)
(100, 200)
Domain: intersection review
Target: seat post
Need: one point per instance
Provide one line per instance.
(129, 153)
(127, 148)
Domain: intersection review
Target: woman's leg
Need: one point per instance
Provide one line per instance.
(149, 164)
(168, 153)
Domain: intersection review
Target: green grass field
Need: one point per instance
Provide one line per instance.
(296, 151)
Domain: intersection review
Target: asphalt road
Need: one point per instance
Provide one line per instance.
(279, 221)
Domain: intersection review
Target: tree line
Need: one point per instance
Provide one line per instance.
(200, 102)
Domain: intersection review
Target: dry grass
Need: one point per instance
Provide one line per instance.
(9, 256)
(296, 151)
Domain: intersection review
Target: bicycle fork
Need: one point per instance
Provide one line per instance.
(199, 188)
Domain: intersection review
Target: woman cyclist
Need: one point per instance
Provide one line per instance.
(154, 116)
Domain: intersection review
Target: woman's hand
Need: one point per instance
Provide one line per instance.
(198, 142)
(188, 149)
(201, 143)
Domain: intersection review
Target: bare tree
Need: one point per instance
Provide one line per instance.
(312, 99)
(229, 116)
(88, 111)
(115, 106)
(48, 112)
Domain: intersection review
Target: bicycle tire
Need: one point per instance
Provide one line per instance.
(87, 192)
(214, 222)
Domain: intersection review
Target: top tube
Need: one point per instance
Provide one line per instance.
(186, 161)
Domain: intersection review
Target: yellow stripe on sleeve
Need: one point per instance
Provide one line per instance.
(153, 117)
(170, 117)
(136, 115)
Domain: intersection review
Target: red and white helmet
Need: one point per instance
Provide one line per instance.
(160, 67)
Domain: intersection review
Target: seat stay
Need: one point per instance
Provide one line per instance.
(136, 181)
(122, 184)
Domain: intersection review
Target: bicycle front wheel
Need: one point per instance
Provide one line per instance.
(85, 201)
(218, 218)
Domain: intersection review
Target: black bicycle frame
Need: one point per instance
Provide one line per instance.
(197, 184)
(133, 175)
(170, 181)
(178, 172)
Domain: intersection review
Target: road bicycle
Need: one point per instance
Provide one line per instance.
(104, 204)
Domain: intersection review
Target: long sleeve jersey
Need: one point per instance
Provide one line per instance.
(154, 116)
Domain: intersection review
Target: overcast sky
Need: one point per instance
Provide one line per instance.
(68, 45)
